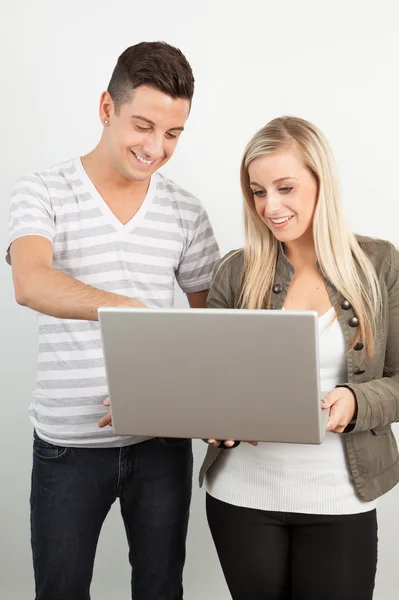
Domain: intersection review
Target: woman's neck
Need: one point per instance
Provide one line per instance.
(301, 253)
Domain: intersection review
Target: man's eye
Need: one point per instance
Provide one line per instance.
(142, 128)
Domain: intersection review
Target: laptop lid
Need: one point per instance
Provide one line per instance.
(214, 373)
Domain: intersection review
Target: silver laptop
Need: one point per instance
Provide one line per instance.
(223, 374)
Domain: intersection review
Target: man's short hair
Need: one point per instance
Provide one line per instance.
(156, 64)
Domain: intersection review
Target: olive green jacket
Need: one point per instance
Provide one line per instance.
(371, 446)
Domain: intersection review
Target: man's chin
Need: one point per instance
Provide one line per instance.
(138, 175)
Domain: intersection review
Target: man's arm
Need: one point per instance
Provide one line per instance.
(198, 299)
(40, 287)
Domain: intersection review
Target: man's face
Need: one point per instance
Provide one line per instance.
(143, 135)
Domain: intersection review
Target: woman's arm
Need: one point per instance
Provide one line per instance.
(222, 295)
(378, 400)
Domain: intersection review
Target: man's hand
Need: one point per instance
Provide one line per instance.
(342, 404)
(107, 419)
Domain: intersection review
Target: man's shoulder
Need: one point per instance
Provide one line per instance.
(47, 178)
(177, 194)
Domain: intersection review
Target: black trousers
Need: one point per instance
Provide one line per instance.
(285, 556)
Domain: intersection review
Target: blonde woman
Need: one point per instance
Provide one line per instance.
(298, 522)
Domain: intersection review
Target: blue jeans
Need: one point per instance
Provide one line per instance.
(73, 490)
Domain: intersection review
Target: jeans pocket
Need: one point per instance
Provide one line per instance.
(47, 451)
(174, 442)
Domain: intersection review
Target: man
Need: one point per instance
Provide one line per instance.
(108, 230)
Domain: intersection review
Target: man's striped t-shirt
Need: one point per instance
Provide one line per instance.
(169, 238)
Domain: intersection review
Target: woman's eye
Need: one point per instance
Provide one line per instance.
(259, 193)
(285, 190)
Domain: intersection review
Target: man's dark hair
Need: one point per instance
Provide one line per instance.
(156, 64)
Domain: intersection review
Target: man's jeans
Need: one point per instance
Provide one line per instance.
(73, 490)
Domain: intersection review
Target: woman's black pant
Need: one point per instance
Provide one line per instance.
(286, 556)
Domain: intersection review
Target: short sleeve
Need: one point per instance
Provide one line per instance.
(31, 212)
(195, 270)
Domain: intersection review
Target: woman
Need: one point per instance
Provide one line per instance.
(298, 522)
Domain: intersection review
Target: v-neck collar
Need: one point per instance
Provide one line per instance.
(109, 215)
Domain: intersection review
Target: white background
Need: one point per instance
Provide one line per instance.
(335, 63)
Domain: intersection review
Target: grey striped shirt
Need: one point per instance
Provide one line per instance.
(170, 238)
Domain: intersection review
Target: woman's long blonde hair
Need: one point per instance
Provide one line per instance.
(340, 257)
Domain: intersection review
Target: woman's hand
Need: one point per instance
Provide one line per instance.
(342, 404)
(227, 444)
(217, 443)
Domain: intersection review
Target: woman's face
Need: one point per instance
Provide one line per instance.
(285, 193)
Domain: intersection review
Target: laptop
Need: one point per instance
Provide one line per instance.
(214, 373)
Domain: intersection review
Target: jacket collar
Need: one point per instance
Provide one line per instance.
(284, 267)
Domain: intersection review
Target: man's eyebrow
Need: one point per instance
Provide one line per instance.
(141, 118)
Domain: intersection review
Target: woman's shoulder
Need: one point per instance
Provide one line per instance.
(227, 278)
(382, 253)
(232, 261)
(230, 268)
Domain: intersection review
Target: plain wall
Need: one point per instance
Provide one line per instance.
(334, 63)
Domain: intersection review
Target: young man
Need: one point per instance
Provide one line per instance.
(108, 230)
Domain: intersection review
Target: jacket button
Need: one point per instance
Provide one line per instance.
(353, 322)
(346, 305)
(358, 346)
(277, 288)
(359, 372)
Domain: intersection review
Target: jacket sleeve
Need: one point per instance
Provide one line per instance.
(378, 400)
